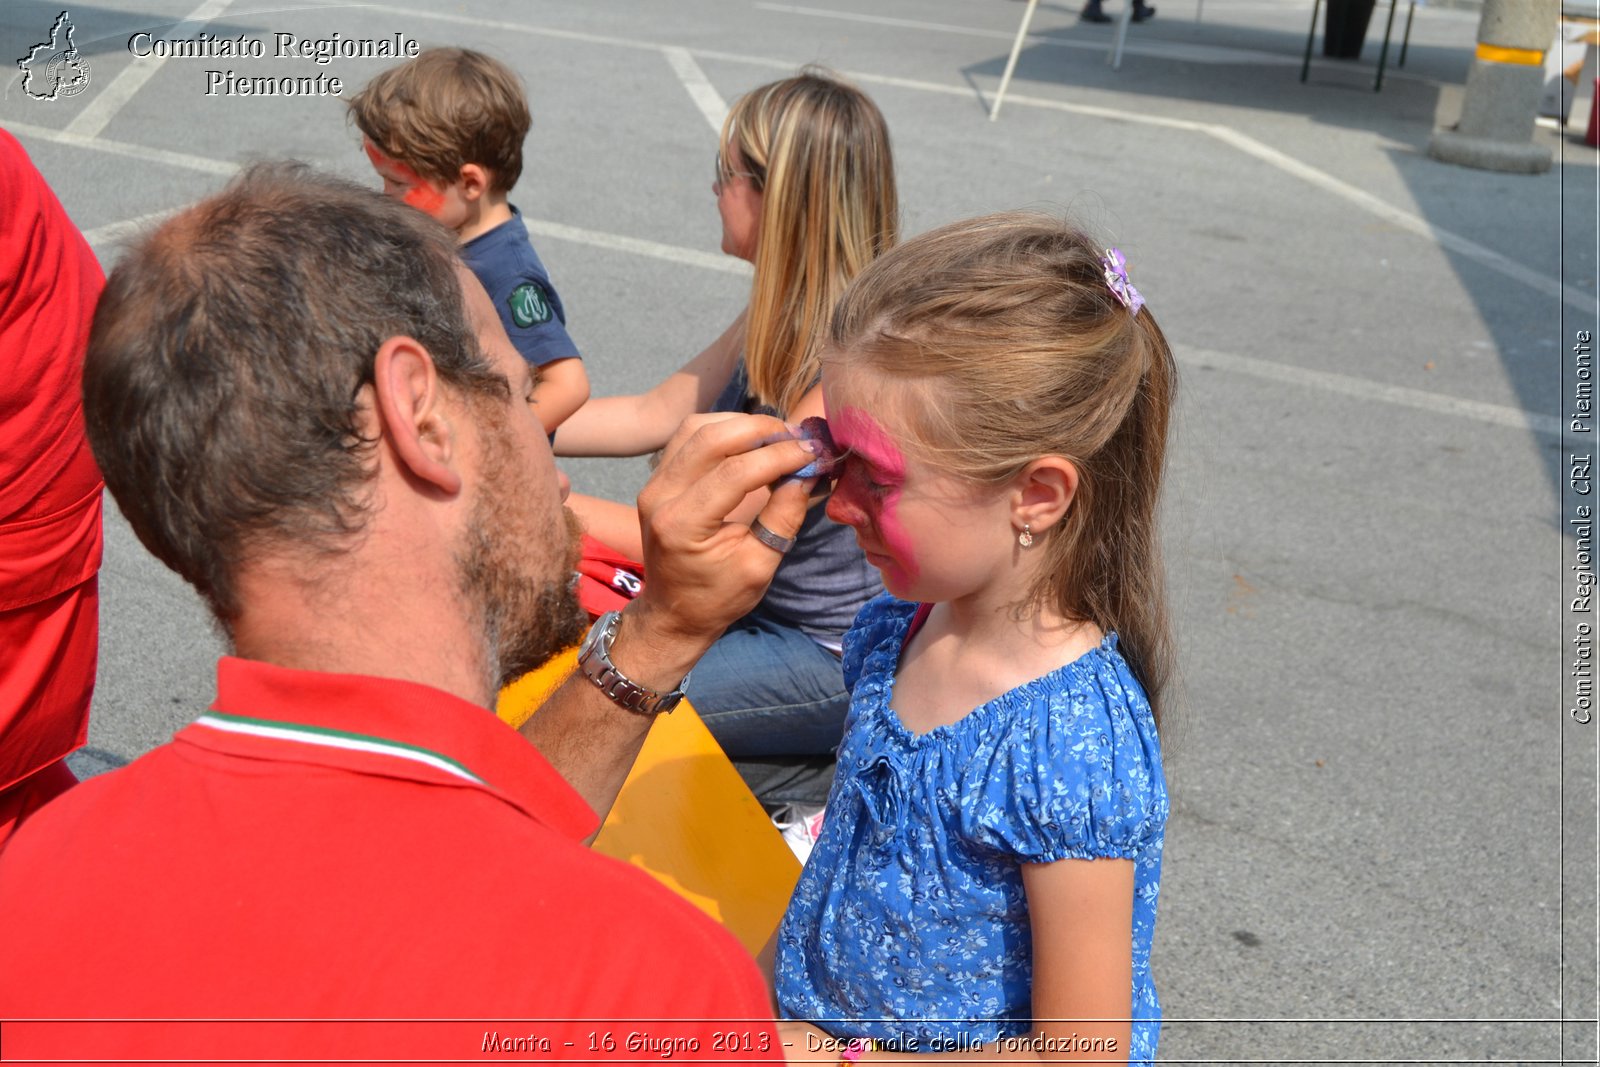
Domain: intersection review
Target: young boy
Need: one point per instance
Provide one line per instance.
(444, 132)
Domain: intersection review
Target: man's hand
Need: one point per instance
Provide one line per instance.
(701, 574)
(704, 573)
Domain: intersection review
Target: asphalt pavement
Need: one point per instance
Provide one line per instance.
(1383, 845)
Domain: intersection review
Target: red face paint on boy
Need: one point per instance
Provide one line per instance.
(406, 185)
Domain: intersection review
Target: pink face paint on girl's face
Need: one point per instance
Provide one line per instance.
(869, 494)
(418, 191)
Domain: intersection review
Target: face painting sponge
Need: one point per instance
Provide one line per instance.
(816, 429)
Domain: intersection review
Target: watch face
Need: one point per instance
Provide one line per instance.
(594, 637)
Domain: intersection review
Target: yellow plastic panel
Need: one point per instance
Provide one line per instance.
(686, 816)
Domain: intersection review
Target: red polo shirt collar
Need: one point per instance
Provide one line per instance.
(385, 727)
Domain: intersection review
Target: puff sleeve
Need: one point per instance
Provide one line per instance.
(881, 619)
(1078, 778)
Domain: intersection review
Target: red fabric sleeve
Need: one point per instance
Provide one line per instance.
(50, 488)
(49, 484)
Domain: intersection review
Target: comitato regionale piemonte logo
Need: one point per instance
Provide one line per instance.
(53, 68)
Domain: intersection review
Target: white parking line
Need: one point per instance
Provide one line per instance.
(98, 113)
(181, 160)
(1225, 134)
(560, 231)
(689, 257)
(1177, 50)
(1363, 389)
(701, 91)
(517, 27)
(1360, 388)
(116, 231)
(1488, 257)
(1399, 217)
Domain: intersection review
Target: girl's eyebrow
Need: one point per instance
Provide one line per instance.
(855, 456)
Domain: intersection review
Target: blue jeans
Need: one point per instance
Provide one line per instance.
(775, 701)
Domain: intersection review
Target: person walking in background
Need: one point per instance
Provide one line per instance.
(1093, 12)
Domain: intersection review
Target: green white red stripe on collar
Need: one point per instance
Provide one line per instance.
(341, 739)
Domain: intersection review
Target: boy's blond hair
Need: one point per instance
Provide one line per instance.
(444, 109)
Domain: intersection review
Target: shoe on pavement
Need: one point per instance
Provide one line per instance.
(800, 825)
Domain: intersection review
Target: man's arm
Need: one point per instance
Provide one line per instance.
(702, 574)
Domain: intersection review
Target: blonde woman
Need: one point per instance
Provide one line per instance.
(806, 191)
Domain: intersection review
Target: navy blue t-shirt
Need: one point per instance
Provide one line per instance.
(509, 268)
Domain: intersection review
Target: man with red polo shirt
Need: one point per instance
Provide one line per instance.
(306, 407)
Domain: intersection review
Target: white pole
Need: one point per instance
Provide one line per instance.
(1011, 64)
(1123, 18)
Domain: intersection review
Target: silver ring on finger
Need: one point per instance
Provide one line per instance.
(777, 542)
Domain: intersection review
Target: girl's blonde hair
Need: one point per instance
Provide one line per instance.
(1013, 346)
(818, 149)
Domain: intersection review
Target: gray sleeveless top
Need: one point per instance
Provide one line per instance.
(824, 580)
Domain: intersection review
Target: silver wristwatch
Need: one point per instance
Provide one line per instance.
(594, 660)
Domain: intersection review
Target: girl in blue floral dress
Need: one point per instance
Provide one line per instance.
(986, 879)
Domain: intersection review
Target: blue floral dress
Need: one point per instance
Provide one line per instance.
(910, 923)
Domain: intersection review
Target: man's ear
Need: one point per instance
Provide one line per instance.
(411, 414)
(1043, 492)
(474, 181)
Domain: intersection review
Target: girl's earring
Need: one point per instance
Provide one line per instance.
(1025, 538)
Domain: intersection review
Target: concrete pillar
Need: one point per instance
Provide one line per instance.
(1503, 90)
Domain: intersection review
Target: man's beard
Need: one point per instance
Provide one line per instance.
(524, 621)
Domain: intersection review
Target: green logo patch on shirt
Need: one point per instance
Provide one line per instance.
(529, 306)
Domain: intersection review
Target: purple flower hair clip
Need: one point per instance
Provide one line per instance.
(1117, 280)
